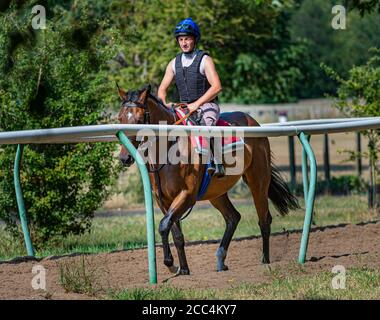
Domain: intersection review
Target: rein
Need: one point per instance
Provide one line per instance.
(151, 168)
(185, 117)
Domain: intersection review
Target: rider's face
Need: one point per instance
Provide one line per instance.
(187, 43)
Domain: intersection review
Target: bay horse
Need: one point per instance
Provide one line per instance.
(176, 185)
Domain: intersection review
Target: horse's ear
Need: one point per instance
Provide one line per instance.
(144, 92)
(148, 87)
(122, 93)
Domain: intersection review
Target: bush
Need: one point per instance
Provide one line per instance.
(345, 185)
(55, 78)
(358, 96)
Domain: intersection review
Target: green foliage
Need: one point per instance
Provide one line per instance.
(346, 184)
(269, 78)
(364, 6)
(258, 59)
(359, 96)
(55, 78)
(253, 52)
(339, 49)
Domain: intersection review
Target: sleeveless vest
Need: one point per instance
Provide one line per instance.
(191, 84)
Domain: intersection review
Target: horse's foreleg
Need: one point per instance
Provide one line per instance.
(180, 204)
(232, 218)
(168, 258)
(164, 228)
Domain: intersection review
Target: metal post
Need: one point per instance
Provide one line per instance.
(305, 171)
(309, 193)
(20, 201)
(326, 161)
(358, 151)
(292, 163)
(148, 205)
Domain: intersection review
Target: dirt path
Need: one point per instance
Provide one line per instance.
(347, 245)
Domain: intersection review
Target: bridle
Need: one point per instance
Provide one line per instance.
(151, 168)
(128, 104)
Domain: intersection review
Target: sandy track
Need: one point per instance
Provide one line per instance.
(348, 245)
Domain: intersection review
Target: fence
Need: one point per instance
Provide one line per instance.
(326, 167)
(115, 132)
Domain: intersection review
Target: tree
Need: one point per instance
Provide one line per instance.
(55, 77)
(359, 96)
(255, 57)
(339, 49)
(364, 6)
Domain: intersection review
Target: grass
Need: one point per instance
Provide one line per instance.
(81, 275)
(120, 233)
(360, 284)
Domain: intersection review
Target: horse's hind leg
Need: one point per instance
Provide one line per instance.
(258, 177)
(232, 218)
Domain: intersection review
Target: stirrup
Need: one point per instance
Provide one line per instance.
(220, 171)
(211, 169)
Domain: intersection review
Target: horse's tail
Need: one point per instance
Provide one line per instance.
(279, 193)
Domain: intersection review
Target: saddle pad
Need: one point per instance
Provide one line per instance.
(201, 144)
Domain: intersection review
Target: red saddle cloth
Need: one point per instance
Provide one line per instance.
(201, 144)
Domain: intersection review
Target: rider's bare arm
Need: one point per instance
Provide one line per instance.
(165, 83)
(213, 78)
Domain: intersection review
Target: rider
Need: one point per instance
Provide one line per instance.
(197, 81)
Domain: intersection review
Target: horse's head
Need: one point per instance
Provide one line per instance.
(134, 110)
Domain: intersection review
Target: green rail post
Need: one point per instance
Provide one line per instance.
(309, 192)
(148, 205)
(20, 202)
(305, 170)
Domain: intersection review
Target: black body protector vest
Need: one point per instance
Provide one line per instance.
(191, 84)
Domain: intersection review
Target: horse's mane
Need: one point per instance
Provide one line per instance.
(133, 96)
(159, 101)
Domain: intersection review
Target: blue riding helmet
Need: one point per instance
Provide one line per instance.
(187, 27)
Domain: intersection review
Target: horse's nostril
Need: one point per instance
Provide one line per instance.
(126, 161)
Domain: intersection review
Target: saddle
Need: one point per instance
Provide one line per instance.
(201, 144)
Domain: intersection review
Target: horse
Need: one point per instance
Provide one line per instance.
(175, 186)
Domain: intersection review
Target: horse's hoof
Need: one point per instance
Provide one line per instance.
(224, 268)
(265, 260)
(183, 272)
(169, 263)
(173, 269)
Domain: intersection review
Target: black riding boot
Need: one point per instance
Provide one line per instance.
(215, 169)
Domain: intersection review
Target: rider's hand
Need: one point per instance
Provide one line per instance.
(169, 105)
(192, 106)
